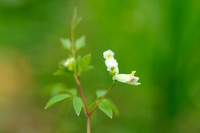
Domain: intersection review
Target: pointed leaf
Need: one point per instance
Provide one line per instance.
(100, 93)
(105, 107)
(62, 71)
(78, 104)
(80, 43)
(114, 108)
(56, 99)
(85, 62)
(66, 43)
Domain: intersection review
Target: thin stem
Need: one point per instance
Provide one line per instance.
(76, 76)
(96, 105)
(77, 79)
(73, 34)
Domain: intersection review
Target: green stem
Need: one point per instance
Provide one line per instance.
(96, 105)
(76, 76)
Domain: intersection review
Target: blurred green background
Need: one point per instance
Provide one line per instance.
(159, 39)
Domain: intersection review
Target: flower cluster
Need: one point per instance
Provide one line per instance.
(112, 67)
(111, 63)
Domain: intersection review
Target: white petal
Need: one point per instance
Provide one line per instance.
(127, 78)
(122, 77)
(108, 54)
(112, 66)
(111, 63)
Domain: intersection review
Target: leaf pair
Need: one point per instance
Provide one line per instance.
(70, 93)
(80, 43)
(106, 105)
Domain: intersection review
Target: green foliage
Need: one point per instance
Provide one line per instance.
(83, 63)
(62, 71)
(78, 104)
(105, 107)
(80, 43)
(100, 93)
(114, 108)
(56, 99)
(76, 18)
(66, 43)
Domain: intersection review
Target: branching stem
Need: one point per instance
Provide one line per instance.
(77, 78)
(96, 105)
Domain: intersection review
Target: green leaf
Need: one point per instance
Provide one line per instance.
(85, 62)
(66, 43)
(78, 104)
(56, 99)
(105, 107)
(80, 43)
(114, 108)
(100, 93)
(62, 71)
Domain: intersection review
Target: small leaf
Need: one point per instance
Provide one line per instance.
(100, 93)
(62, 71)
(77, 103)
(66, 43)
(85, 62)
(56, 99)
(105, 107)
(114, 108)
(80, 43)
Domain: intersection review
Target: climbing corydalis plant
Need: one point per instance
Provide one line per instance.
(76, 65)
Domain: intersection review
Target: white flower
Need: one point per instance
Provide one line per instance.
(108, 54)
(127, 78)
(111, 63)
(69, 63)
(112, 66)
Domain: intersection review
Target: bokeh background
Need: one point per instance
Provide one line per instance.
(159, 39)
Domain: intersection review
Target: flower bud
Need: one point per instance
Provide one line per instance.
(69, 63)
